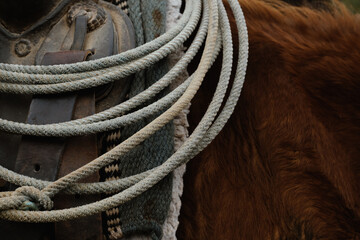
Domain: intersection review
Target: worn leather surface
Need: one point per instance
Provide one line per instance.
(78, 152)
(112, 37)
(50, 158)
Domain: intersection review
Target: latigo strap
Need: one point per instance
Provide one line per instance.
(50, 158)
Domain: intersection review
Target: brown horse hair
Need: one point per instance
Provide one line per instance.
(287, 164)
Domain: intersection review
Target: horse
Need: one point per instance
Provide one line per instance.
(286, 165)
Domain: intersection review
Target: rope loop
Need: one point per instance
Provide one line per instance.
(214, 29)
(36, 198)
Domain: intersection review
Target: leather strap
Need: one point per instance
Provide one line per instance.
(65, 155)
(78, 152)
(39, 157)
(49, 158)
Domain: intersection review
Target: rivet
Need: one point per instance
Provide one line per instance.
(23, 47)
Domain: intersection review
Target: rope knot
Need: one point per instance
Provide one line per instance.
(37, 198)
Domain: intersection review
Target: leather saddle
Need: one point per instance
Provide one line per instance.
(73, 31)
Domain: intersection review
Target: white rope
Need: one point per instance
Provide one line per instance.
(215, 24)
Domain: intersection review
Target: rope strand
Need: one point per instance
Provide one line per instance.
(216, 24)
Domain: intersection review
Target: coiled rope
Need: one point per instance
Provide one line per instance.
(18, 79)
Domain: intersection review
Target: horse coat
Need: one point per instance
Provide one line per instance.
(286, 165)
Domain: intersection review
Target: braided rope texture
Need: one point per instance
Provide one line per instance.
(122, 4)
(137, 216)
(180, 131)
(147, 213)
(214, 25)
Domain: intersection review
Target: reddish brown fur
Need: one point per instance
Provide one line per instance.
(287, 164)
